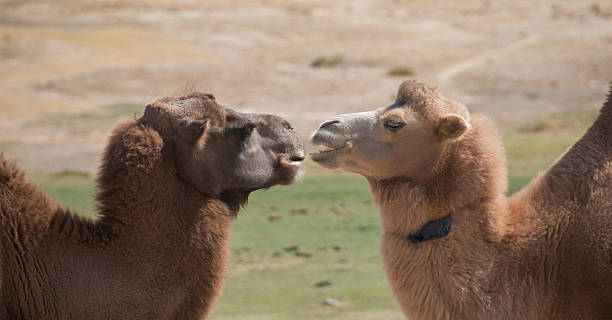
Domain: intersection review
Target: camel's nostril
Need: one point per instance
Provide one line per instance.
(328, 123)
(297, 158)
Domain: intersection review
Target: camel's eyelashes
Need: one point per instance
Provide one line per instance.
(393, 126)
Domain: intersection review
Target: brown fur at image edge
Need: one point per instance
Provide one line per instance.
(158, 249)
(544, 253)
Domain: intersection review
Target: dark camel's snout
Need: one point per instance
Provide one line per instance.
(297, 156)
(282, 140)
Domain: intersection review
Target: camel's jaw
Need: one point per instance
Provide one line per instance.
(332, 148)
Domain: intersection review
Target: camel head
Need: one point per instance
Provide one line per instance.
(219, 150)
(403, 139)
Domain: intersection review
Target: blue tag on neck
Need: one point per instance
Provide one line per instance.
(432, 230)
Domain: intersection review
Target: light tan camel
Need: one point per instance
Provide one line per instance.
(170, 184)
(453, 246)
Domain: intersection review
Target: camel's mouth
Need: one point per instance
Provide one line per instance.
(291, 168)
(296, 160)
(330, 146)
(326, 150)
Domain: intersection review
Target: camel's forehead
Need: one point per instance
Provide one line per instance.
(419, 109)
(419, 98)
(412, 92)
(195, 107)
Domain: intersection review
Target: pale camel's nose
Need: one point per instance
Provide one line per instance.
(328, 123)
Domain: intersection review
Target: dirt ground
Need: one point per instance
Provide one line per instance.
(510, 59)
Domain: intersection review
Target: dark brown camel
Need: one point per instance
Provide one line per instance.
(170, 184)
(453, 246)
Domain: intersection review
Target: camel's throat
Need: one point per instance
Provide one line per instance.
(434, 229)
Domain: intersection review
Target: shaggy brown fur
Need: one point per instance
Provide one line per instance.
(169, 185)
(545, 253)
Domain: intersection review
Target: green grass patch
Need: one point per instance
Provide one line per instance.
(401, 71)
(332, 218)
(566, 121)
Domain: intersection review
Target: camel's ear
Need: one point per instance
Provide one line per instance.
(153, 108)
(137, 147)
(451, 126)
(193, 130)
(154, 112)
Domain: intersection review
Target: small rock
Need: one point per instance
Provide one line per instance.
(303, 254)
(332, 302)
(242, 250)
(274, 218)
(337, 247)
(291, 247)
(323, 283)
(277, 254)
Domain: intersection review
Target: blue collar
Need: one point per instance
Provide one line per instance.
(432, 230)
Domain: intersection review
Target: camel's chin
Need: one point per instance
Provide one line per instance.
(290, 171)
(327, 159)
(295, 176)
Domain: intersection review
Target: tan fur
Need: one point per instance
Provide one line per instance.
(545, 253)
(159, 248)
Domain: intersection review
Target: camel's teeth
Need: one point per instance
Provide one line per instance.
(325, 148)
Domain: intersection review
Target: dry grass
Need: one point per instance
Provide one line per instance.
(401, 71)
(327, 61)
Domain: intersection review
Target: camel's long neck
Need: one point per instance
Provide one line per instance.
(433, 279)
(172, 208)
(170, 229)
(469, 175)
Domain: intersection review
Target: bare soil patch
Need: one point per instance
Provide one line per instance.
(511, 60)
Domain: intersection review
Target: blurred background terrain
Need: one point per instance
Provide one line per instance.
(71, 70)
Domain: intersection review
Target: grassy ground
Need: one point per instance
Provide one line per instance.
(330, 217)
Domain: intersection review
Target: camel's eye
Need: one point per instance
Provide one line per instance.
(393, 125)
(230, 119)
